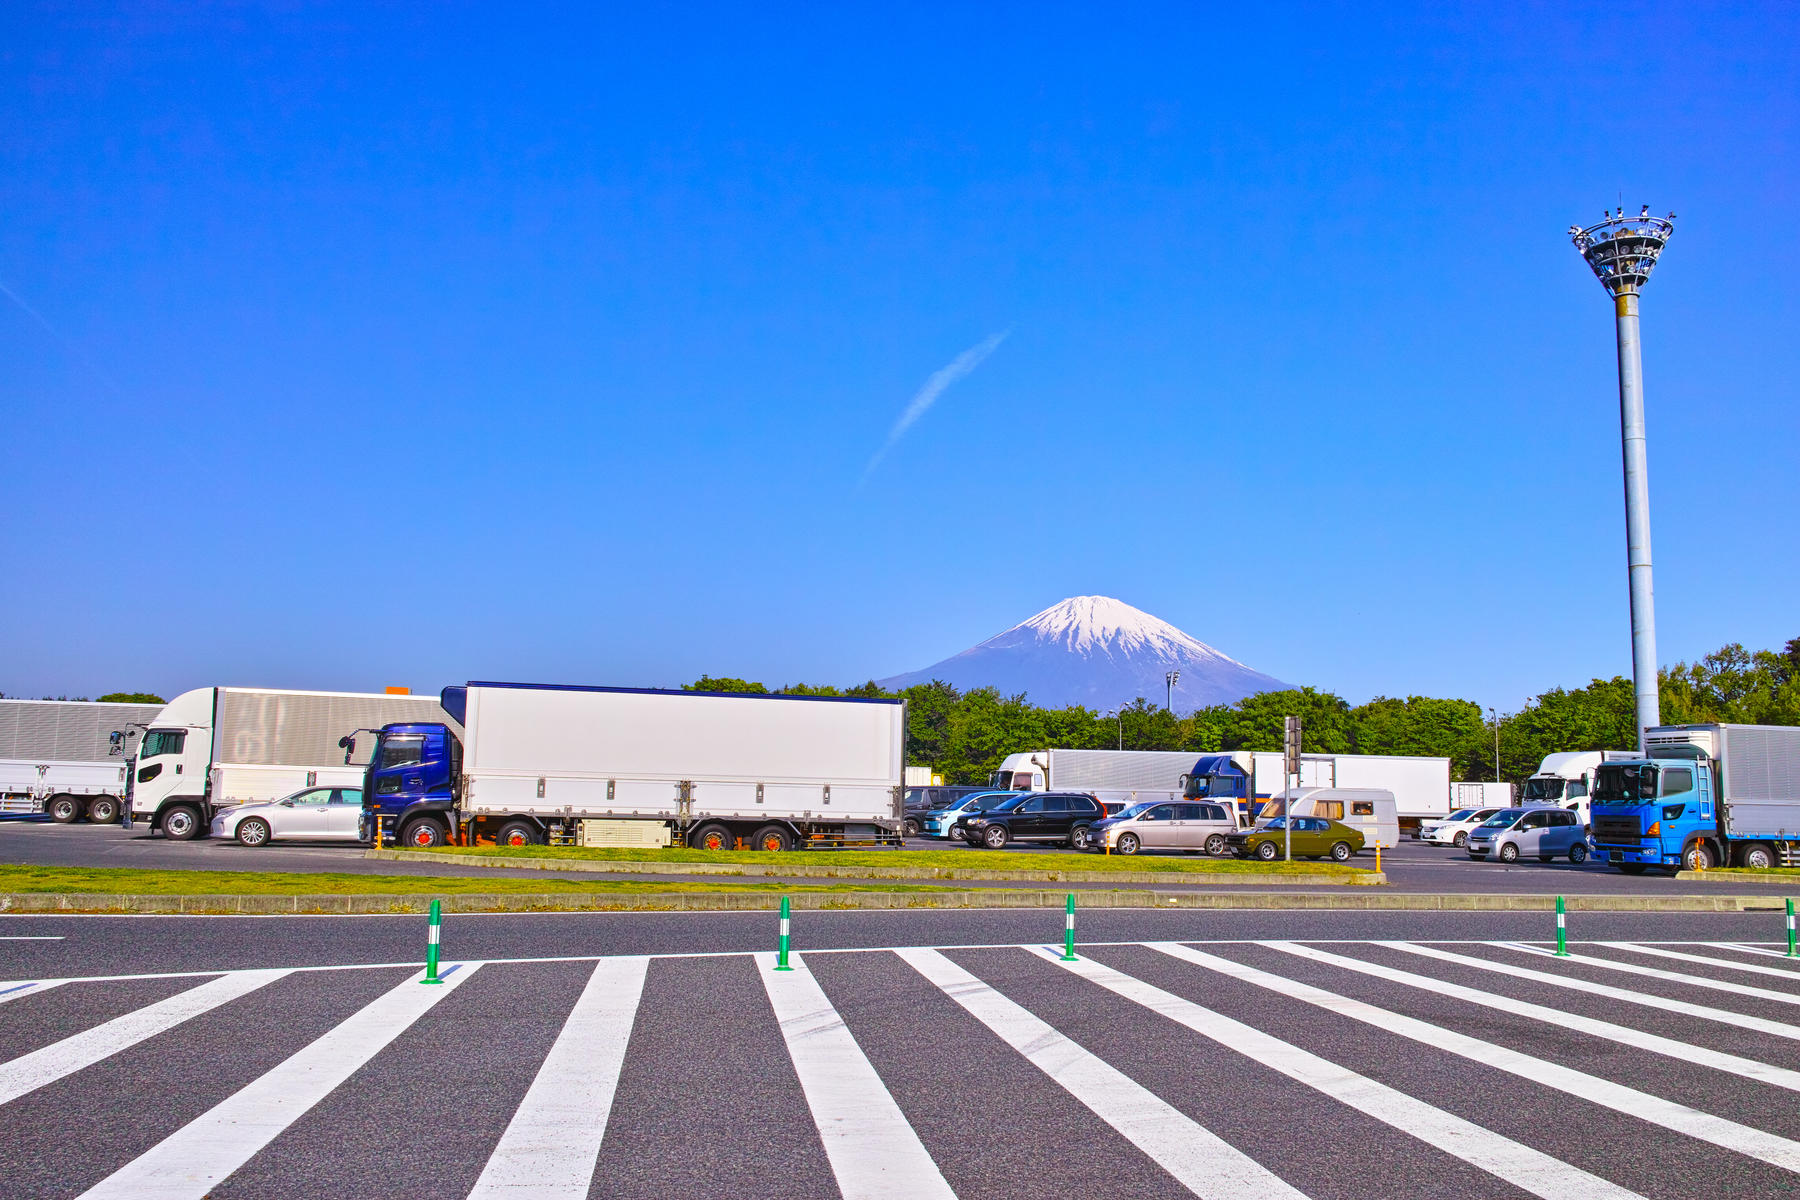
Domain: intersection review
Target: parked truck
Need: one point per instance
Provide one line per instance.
(1111, 776)
(1421, 784)
(1701, 796)
(59, 756)
(525, 764)
(1467, 794)
(1567, 780)
(219, 746)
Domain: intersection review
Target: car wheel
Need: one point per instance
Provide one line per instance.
(771, 838)
(1127, 843)
(1509, 853)
(516, 833)
(1267, 851)
(1698, 857)
(103, 810)
(1461, 839)
(1341, 851)
(1758, 855)
(423, 834)
(994, 837)
(253, 831)
(1578, 853)
(1078, 837)
(711, 837)
(909, 828)
(1215, 844)
(63, 810)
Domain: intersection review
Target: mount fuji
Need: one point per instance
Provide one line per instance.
(1098, 652)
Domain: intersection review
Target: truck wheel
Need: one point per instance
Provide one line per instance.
(1509, 853)
(422, 834)
(771, 837)
(103, 810)
(63, 809)
(1698, 857)
(1758, 855)
(1267, 851)
(1340, 851)
(253, 831)
(1578, 853)
(181, 824)
(711, 837)
(909, 828)
(994, 837)
(516, 833)
(1215, 844)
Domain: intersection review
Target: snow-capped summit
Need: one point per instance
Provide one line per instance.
(1097, 651)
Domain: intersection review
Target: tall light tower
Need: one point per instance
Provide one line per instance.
(1622, 251)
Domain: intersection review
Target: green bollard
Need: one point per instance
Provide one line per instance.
(1562, 934)
(432, 932)
(781, 959)
(1793, 951)
(1068, 954)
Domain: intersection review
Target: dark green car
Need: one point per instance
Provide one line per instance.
(1314, 837)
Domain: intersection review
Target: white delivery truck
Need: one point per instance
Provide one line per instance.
(1567, 780)
(526, 764)
(1111, 776)
(1420, 783)
(59, 756)
(1465, 794)
(215, 747)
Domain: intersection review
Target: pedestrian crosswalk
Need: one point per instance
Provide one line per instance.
(1230, 1070)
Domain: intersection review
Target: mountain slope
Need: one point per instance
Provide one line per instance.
(1100, 652)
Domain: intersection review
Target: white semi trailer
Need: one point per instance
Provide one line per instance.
(523, 764)
(219, 746)
(59, 756)
(1111, 776)
(1420, 783)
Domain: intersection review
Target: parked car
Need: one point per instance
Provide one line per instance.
(1314, 837)
(1160, 825)
(1034, 817)
(1545, 832)
(1454, 829)
(923, 800)
(323, 814)
(941, 822)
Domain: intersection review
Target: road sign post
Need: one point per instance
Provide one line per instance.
(433, 930)
(1290, 753)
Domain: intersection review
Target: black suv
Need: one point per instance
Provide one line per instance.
(1034, 817)
(921, 800)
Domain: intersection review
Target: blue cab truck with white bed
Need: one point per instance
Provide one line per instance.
(1701, 796)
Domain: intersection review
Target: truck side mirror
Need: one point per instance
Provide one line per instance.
(347, 744)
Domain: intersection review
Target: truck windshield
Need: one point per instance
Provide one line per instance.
(1537, 788)
(1198, 786)
(1626, 783)
(162, 741)
(402, 748)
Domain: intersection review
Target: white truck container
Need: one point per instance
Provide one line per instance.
(1567, 780)
(561, 764)
(1111, 776)
(215, 747)
(1466, 794)
(1420, 783)
(59, 756)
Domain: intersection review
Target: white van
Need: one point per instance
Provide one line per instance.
(1370, 810)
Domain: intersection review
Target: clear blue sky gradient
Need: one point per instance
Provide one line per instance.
(388, 347)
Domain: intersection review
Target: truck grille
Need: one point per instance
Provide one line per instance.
(1617, 829)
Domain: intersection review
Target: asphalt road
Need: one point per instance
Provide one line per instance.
(676, 1066)
(1411, 867)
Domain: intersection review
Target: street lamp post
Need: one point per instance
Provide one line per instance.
(1495, 718)
(1171, 678)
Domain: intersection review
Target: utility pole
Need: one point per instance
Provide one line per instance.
(1622, 251)
(1290, 755)
(1495, 718)
(1171, 678)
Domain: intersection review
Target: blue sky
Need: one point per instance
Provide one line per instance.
(415, 346)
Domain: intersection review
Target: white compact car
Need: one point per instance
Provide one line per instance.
(1454, 829)
(320, 814)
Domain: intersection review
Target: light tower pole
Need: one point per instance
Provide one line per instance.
(1622, 251)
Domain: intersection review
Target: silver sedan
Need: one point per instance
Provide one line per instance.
(323, 814)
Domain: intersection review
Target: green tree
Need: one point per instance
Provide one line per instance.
(1424, 725)
(712, 683)
(132, 698)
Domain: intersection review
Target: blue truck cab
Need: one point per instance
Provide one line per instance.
(411, 784)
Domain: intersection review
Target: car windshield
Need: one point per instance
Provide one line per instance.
(1461, 814)
(1501, 820)
(1626, 783)
(1543, 789)
(1002, 804)
(1277, 823)
(1136, 810)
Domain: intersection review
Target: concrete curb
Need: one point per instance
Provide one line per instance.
(596, 866)
(1790, 880)
(525, 902)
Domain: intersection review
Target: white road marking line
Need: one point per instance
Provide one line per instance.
(190, 1162)
(1205, 1163)
(1607, 964)
(46, 1065)
(1623, 1034)
(1747, 949)
(1528, 1169)
(1723, 1016)
(33, 937)
(30, 987)
(1704, 960)
(1743, 1139)
(553, 1141)
(874, 1150)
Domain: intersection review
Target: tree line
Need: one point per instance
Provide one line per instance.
(963, 735)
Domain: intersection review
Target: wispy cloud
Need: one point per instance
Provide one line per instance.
(925, 397)
(75, 351)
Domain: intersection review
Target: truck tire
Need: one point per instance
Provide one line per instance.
(253, 832)
(422, 834)
(181, 823)
(712, 837)
(909, 828)
(772, 838)
(517, 833)
(1757, 854)
(1698, 857)
(103, 810)
(64, 809)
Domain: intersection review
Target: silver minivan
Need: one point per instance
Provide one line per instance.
(1164, 825)
(1546, 833)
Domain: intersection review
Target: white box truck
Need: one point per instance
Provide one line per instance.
(524, 764)
(1420, 783)
(1475, 794)
(1111, 776)
(215, 747)
(59, 756)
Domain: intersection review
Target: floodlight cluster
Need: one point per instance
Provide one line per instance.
(1621, 249)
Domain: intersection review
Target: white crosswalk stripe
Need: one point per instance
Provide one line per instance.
(1763, 950)
(549, 1149)
(1625, 968)
(1706, 960)
(19, 989)
(190, 1162)
(1206, 1164)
